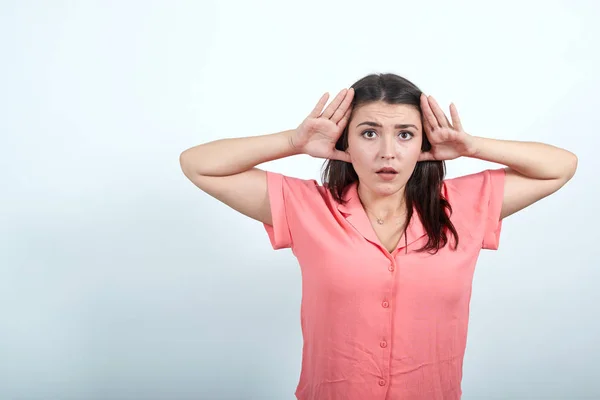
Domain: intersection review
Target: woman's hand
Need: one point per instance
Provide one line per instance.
(319, 132)
(448, 140)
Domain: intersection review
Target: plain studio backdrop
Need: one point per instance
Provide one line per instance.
(119, 279)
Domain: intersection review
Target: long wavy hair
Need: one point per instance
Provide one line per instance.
(423, 189)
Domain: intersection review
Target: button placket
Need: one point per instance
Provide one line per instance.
(383, 343)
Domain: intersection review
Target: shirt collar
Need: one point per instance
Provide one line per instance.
(354, 213)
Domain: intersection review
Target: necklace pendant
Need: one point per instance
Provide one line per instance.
(379, 221)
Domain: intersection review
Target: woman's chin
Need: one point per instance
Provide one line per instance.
(385, 188)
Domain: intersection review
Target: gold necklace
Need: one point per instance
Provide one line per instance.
(381, 221)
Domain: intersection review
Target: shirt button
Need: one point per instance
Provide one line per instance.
(391, 268)
(383, 344)
(385, 304)
(381, 382)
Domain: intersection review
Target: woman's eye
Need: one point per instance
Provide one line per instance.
(404, 135)
(366, 134)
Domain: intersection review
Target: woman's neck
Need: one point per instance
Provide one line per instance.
(385, 206)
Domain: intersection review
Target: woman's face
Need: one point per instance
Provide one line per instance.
(384, 135)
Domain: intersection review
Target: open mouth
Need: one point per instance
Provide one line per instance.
(387, 171)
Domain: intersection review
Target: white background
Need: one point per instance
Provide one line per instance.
(119, 279)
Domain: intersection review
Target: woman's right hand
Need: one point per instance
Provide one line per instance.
(320, 131)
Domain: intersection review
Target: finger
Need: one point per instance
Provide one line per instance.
(439, 114)
(319, 107)
(334, 104)
(447, 121)
(344, 121)
(426, 126)
(455, 118)
(428, 113)
(344, 106)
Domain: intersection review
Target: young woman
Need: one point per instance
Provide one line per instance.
(386, 245)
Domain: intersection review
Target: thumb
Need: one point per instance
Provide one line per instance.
(426, 156)
(341, 155)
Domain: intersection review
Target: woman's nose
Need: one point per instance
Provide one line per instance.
(387, 151)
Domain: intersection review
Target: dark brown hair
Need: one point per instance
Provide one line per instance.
(423, 189)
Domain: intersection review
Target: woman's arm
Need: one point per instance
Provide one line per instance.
(225, 169)
(231, 156)
(534, 170)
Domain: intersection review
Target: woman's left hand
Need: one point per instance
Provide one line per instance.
(448, 140)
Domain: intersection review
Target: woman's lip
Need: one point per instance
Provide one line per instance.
(387, 175)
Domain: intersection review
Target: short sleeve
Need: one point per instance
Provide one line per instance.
(279, 231)
(289, 198)
(479, 198)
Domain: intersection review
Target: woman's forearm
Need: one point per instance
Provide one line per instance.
(532, 159)
(232, 156)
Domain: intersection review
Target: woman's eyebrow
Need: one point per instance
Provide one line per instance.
(397, 126)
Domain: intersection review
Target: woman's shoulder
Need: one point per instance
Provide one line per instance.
(293, 186)
(475, 191)
(474, 182)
